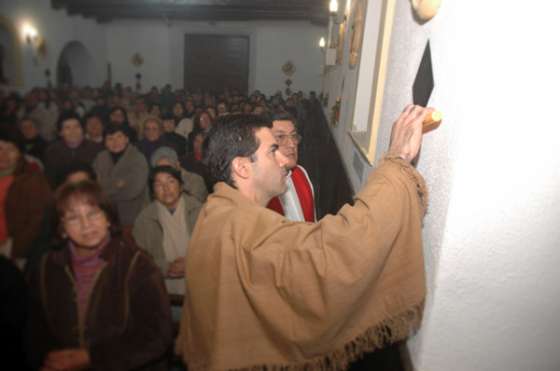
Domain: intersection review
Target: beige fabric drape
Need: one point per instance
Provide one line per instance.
(267, 293)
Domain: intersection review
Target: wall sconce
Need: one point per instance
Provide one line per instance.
(333, 7)
(30, 33)
(35, 42)
(322, 43)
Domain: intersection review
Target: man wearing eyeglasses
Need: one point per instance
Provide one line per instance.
(297, 203)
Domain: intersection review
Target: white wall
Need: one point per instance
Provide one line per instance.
(151, 41)
(162, 46)
(58, 29)
(491, 235)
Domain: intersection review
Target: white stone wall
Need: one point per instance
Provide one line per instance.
(491, 236)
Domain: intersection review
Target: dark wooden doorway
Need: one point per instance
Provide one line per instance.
(215, 62)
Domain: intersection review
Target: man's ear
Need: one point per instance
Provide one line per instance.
(240, 167)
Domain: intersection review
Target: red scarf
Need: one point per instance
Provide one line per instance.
(304, 193)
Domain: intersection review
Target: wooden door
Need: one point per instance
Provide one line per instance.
(215, 62)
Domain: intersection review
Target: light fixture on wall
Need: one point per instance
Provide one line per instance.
(333, 7)
(30, 33)
(35, 41)
(322, 43)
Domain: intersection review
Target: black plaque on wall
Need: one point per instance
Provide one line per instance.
(424, 80)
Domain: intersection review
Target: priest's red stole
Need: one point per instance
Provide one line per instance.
(304, 193)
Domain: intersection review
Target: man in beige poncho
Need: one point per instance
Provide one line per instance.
(265, 293)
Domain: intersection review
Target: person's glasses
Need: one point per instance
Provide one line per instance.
(75, 220)
(283, 139)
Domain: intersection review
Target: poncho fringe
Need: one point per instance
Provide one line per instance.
(374, 338)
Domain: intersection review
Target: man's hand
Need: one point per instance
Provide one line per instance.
(66, 360)
(176, 269)
(406, 135)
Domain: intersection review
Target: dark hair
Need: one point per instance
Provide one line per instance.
(168, 116)
(30, 119)
(119, 108)
(95, 113)
(192, 136)
(283, 116)
(175, 173)
(196, 119)
(232, 136)
(115, 128)
(65, 116)
(13, 136)
(89, 192)
(73, 168)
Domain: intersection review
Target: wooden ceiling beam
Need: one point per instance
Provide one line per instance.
(104, 10)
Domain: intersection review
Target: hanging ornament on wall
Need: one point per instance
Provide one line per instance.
(288, 69)
(288, 91)
(137, 60)
(335, 112)
(138, 82)
(48, 76)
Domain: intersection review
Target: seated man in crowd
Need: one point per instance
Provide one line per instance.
(297, 203)
(122, 172)
(71, 148)
(266, 293)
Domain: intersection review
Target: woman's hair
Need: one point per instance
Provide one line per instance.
(191, 138)
(73, 168)
(66, 116)
(119, 108)
(196, 120)
(163, 169)
(89, 192)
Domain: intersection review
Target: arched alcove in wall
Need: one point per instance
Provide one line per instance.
(75, 65)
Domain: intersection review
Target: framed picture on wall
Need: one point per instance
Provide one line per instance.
(358, 16)
(364, 134)
(340, 45)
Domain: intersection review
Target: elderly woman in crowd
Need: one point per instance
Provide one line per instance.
(164, 227)
(122, 172)
(98, 302)
(73, 147)
(193, 184)
(24, 196)
(153, 137)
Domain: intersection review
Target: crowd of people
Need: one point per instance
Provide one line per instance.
(100, 190)
(139, 229)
